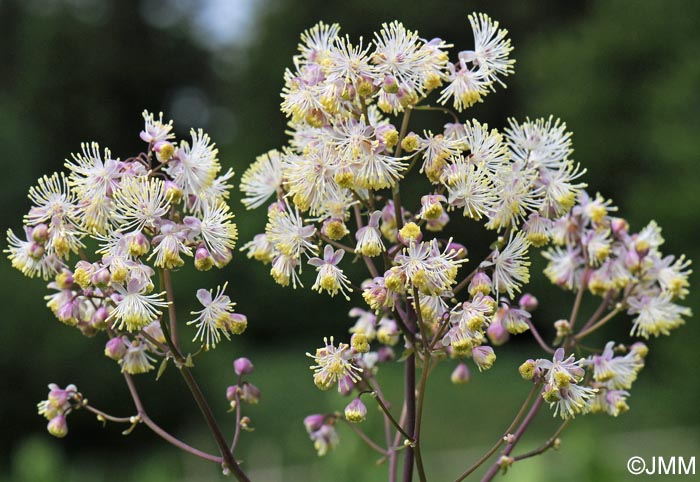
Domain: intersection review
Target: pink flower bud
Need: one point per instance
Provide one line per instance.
(484, 357)
(460, 375)
(385, 354)
(40, 233)
(496, 333)
(99, 317)
(231, 393)
(36, 250)
(242, 366)
(115, 349)
(250, 393)
(355, 411)
(528, 302)
(389, 85)
(57, 426)
(313, 423)
(101, 277)
(203, 260)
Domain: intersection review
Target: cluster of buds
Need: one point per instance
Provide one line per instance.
(56, 408)
(242, 391)
(321, 430)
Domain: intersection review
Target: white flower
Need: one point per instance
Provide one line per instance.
(262, 179)
(218, 232)
(170, 243)
(155, 130)
(332, 363)
(31, 258)
(510, 266)
(136, 309)
(139, 202)
(317, 42)
(466, 87)
(656, 315)
(542, 143)
(286, 231)
(330, 278)
(349, 63)
(213, 320)
(196, 166)
(94, 177)
(399, 55)
(469, 187)
(491, 48)
(485, 146)
(136, 359)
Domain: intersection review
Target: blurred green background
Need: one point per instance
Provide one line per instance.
(624, 75)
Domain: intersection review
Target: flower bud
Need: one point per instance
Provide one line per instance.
(387, 134)
(385, 354)
(40, 233)
(101, 278)
(242, 366)
(346, 385)
(390, 85)
(137, 243)
(203, 260)
(640, 349)
(99, 318)
(115, 349)
(563, 328)
(480, 283)
(410, 143)
(250, 393)
(527, 369)
(173, 192)
(619, 226)
(410, 233)
(334, 229)
(313, 423)
(164, 151)
(36, 251)
(359, 343)
(231, 392)
(496, 333)
(484, 357)
(237, 323)
(528, 302)
(355, 411)
(460, 375)
(58, 427)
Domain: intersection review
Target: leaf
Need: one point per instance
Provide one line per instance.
(161, 369)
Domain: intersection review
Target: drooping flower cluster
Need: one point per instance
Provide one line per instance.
(57, 407)
(597, 251)
(336, 188)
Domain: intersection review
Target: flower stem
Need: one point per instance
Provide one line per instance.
(159, 431)
(500, 441)
(546, 446)
(516, 437)
(196, 392)
(584, 333)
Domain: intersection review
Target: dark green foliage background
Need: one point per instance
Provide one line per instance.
(624, 75)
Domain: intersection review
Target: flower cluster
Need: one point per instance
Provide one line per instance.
(146, 213)
(336, 189)
(56, 408)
